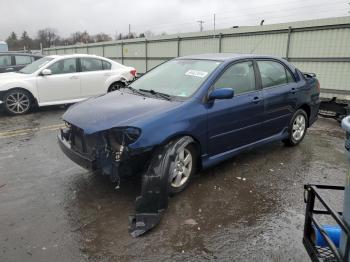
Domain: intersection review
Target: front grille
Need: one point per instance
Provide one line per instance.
(78, 139)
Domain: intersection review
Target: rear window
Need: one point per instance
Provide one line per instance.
(106, 65)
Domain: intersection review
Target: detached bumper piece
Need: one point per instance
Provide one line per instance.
(154, 193)
(149, 207)
(151, 204)
(314, 231)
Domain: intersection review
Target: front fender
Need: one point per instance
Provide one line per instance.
(20, 84)
(193, 123)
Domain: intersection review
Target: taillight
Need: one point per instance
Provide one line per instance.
(133, 72)
(318, 87)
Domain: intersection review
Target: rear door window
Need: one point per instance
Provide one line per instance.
(90, 64)
(23, 60)
(273, 74)
(5, 60)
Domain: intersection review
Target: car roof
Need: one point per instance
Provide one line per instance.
(76, 55)
(225, 56)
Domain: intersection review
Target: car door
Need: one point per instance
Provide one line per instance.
(93, 76)
(279, 91)
(63, 83)
(21, 61)
(236, 122)
(6, 63)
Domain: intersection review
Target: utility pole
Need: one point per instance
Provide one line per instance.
(214, 23)
(129, 31)
(201, 22)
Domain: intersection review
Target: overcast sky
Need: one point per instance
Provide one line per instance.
(172, 16)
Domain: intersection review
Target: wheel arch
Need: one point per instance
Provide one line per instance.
(32, 96)
(119, 81)
(307, 110)
(196, 144)
(114, 79)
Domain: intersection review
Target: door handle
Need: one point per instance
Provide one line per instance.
(256, 100)
(107, 74)
(9, 69)
(74, 77)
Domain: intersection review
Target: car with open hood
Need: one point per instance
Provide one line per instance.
(187, 114)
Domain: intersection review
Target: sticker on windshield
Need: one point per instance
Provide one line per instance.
(196, 73)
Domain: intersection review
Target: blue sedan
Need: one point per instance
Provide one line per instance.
(188, 114)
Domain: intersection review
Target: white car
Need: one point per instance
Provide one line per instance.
(65, 79)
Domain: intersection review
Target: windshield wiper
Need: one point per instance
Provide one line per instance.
(153, 92)
(134, 90)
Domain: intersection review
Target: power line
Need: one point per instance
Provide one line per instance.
(239, 10)
(257, 15)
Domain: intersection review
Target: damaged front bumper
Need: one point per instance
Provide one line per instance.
(76, 157)
(94, 153)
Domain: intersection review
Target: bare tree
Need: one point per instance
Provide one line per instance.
(26, 41)
(48, 36)
(149, 34)
(101, 37)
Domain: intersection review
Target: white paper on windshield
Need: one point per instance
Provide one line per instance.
(196, 73)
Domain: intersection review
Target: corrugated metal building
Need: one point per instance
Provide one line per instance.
(319, 46)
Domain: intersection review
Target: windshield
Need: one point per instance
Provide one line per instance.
(36, 65)
(179, 78)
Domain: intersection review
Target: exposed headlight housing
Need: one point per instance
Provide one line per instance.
(119, 138)
(126, 135)
(68, 125)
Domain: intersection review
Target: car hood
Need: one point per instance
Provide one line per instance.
(6, 77)
(116, 109)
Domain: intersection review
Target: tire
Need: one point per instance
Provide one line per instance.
(17, 102)
(116, 86)
(297, 128)
(168, 160)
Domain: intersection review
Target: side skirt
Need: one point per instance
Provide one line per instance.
(209, 161)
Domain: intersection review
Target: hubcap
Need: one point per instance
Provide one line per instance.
(183, 168)
(18, 102)
(299, 125)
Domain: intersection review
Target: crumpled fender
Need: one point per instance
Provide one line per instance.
(153, 200)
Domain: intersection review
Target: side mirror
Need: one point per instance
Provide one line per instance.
(221, 93)
(46, 72)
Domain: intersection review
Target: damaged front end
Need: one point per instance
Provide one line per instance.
(108, 152)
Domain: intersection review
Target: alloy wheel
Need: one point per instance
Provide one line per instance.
(183, 168)
(18, 102)
(299, 126)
